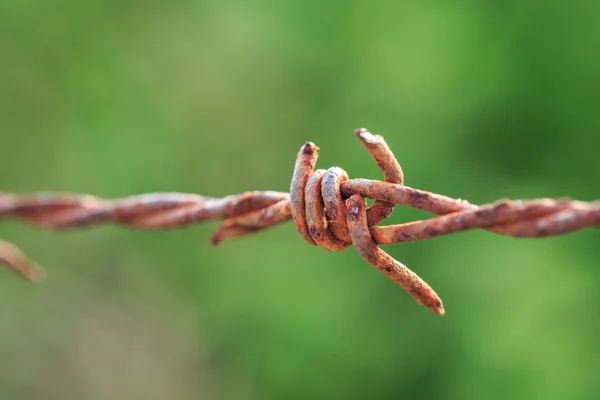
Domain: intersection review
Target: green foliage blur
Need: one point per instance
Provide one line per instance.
(478, 100)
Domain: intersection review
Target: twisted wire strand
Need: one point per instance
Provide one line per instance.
(328, 209)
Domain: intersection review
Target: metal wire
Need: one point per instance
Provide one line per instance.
(329, 211)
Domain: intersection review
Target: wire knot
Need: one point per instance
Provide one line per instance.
(328, 208)
(317, 204)
(328, 219)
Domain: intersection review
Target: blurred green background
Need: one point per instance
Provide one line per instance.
(478, 100)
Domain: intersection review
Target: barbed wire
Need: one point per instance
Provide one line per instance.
(328, 208)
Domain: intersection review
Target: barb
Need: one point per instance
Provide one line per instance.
(328, 208)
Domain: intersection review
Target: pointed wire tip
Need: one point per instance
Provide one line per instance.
(367, 137)
(28, 270)
(309, 148)
(363, 134)
(436, 306)
(216, 240)
(12, 257)
(36, 274)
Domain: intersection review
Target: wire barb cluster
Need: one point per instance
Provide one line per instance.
(328, 208)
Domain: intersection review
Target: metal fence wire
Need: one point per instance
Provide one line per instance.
(328, 208)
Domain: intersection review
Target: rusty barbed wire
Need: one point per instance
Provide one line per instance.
(328, 208)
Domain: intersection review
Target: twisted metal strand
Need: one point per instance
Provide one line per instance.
(329, 211)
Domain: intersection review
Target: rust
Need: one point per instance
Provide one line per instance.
(393, 269)
(392, 172)
(334, 203)
(328, 209)
(16, 261)
(315, 215)
(405, 195)
(511, 218)
(305, 165)
(253, 221)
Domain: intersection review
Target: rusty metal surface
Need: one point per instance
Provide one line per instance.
(328, 209)
(392, 173)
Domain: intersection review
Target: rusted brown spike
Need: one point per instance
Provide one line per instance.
(393, 269)
(305, 165)
(392, 172)
(16, 261)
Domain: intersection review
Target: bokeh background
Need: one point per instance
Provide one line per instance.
(479, 100)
